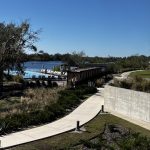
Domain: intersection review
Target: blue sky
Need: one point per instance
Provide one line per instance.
(97, 27)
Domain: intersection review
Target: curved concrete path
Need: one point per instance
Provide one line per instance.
(125, 75)
(84, 113)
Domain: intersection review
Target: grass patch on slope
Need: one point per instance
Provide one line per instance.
(143, 74)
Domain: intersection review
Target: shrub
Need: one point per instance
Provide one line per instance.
(4, 126)
(38, 84)
(33, 77)
(32, 84)
(84, 89)
(126, 84)
(128, 141)
(137, 79)
(55, 84)
(43, 83)
(137, 83)
(99, 82)
(14, 122)
(66, 100)
(90, 90)
(56, 68)
(137, 86)
(18, 78)
(115, 83)
(41, 116)
(49, 83)
(40, 77)
(56, 108)
(146, 86)
(43, 77)
(79, 93)
(8, 77)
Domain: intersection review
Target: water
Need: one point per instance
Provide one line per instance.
(36, 66)
(30, 74)
(32, 68)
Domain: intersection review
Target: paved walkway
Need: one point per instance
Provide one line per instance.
(84, 113)
(125, 75)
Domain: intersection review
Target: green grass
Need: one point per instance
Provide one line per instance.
(143, 74)
(69, 140)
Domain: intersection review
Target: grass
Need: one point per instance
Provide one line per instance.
(143, 74)
(40, 106)
(32, 99)
(71, 140)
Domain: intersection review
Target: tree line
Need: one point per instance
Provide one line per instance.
(119, 64)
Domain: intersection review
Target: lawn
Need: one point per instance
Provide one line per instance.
(143, 74)
(70, 140)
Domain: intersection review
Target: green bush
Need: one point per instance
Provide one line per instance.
(68, 101)
(41, 116)
(90, 90)
(56, 109)
(84, 89)
(137, 83)
(79, 93)
(56, 68)
(18, 121)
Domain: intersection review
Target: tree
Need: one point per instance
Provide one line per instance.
(41, 52)
(14, 39)
(78, 58)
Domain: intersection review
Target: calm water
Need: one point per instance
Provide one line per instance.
(32, 68)
(38, 65)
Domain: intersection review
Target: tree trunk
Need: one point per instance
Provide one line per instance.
(1, 82)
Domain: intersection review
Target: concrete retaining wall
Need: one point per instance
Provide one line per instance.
(127, 102)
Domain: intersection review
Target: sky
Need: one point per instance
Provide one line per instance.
(97, 27)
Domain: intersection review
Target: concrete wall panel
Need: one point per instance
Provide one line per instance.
(131, 103)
